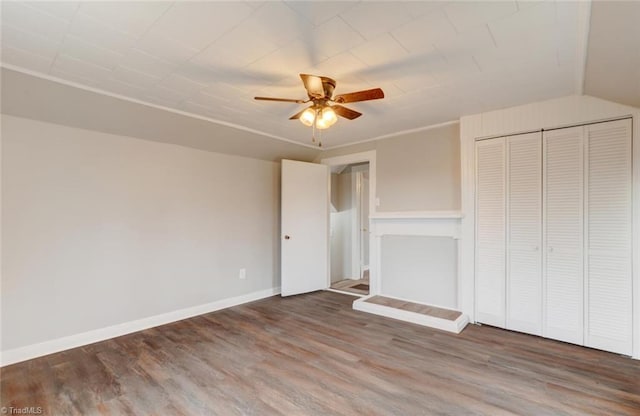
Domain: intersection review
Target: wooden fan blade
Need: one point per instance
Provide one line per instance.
(345, 112)
(352, 97)
(286, 100)
(313, 85)
(297, 115)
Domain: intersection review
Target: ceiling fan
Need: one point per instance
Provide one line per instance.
(323, 112)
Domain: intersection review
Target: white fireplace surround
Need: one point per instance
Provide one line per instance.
(410, 223)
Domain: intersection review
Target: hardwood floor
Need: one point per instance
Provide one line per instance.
(358, 287)
(314, 355)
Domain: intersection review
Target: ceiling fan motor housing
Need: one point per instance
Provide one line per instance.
(328, 85)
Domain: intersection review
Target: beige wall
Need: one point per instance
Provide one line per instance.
(416, 171)
(101, 229)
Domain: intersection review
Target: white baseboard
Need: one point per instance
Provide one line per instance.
(73, 341)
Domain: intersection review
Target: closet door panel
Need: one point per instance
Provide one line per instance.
(524, 229)
(490, 232)
(563, 159)
(609, 253)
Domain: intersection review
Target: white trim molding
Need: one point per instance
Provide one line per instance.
(78, 340)
(349, 159)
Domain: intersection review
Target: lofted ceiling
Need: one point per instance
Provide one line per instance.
(435, 61)
(613, 61)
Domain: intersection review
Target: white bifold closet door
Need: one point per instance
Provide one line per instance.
(608, 309)
(490, 232)
(524, 233)
(563, 184)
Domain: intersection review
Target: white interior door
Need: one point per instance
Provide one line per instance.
(609, 306)
(564, 234)
(524, 233)
(305, 227)
(490, 232)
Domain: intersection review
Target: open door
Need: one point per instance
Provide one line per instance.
(305, 227)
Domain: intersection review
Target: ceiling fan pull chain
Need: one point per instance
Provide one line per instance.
(313, 128)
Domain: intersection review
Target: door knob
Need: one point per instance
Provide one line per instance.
(286, 237)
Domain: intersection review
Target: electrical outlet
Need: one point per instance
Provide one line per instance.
(243, 274)
(377, 202)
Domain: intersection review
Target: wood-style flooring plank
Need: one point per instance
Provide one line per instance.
(314, 355)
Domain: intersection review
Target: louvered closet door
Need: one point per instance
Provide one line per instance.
(524, 233)
(490, 232)
(563, 232)
(609, 255)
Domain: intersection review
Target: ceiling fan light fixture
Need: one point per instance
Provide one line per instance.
(308, 116)
(326, 118)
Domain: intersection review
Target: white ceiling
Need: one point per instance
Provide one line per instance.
(435, 61)
(613, 62)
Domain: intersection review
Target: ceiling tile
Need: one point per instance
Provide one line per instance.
(420, 34)
(170, 50)
(64, 10)
(183, 84)
(466, 44)
(523, 4)
(279, 24)
(318, 12)
(343, 66)
(27, 60)
(288, 61)
(80, 68)
(167, 95)
(77, 48)
(130, 76)
(371, 19)
(471, 14)
(91, 30)
(333, 37)
(239, 47)
(198, 24)
(148, 64)
(454, 70)
(523, 23)
(516, 55)
(420, 8)
(27, 42)
(380, 51)
(415, 82)
(132, 17)
(28, 19)
(212, 96)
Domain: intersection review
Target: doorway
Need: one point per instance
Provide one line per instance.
(349, 228)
